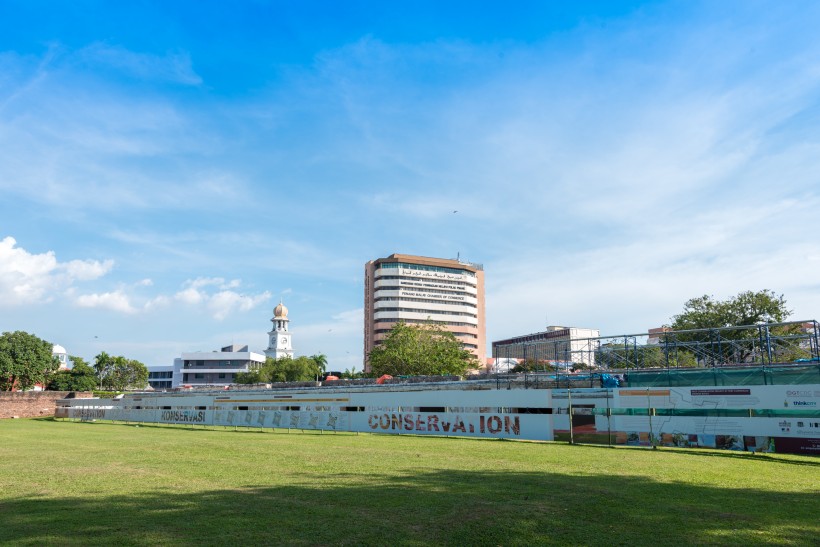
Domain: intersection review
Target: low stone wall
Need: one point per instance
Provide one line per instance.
(33, 404)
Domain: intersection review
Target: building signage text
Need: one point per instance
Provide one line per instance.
(437, 275)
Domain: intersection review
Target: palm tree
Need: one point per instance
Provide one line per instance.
(321, 361)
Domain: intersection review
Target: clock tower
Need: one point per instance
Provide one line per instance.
(279, 343)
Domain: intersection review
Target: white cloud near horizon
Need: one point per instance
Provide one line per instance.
(218, 303)
(116, 301)
(222, 302)
(27, 278)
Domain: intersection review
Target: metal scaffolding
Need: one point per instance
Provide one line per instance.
(759, 344)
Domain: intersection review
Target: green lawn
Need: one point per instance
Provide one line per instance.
(71, 483)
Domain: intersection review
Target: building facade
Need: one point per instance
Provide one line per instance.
(557, 346)
(420, 290)
(161, 377)
(280, 343)
(217, 368)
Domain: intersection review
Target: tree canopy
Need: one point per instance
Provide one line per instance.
(420, 350)
(747, 309)
(285, 369)
(118, 373)
(81, 377)
(25, 360)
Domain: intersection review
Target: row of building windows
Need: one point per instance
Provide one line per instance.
(431, 312)
(201, 376)
(426, 268)
(456, 334)
(209, 363)
(426, 322)
(424, 301)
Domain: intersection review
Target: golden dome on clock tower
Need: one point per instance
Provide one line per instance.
(280, 311)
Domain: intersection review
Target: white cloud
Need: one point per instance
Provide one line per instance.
(28, 277)
(116, 301)
(87, 270)
(189, 296)
(224, 301)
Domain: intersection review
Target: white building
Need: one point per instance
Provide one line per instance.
(162, 376)
(60, 353)
(558, 346)
(279, 338)
(215, 368)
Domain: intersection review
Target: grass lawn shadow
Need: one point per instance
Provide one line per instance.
(425, 507)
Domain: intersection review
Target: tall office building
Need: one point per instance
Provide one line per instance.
(419, 290)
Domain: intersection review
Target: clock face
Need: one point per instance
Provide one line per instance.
(284, 341)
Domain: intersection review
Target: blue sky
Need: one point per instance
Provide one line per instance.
(170, 170)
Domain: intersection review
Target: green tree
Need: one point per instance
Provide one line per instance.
(352, 374)
(118, 373)
(744, 310)
(81, 377)
(747, 308)
(25, 360)
(534, 365)
(103, 364)
(425, 350)
(285, 369)
(257, 375)
(321, 361)
(128, 374)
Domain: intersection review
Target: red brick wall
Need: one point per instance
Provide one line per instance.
(31, 404)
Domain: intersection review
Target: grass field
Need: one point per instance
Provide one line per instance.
(72, 483)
